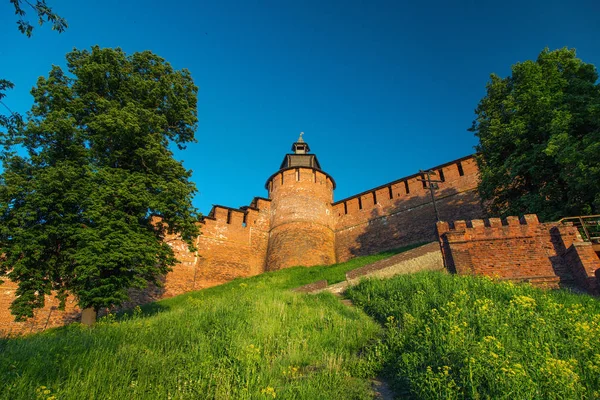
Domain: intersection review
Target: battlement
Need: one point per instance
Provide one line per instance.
(293, 175)
(519, 249)
(300, 224)
(526, 224)
(258, 203)
(243, 217)
(447, 173)
(408, 192)
(386, 217)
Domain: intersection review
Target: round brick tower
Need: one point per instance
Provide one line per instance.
(301, 215)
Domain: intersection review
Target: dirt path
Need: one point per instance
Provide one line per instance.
(380, 387)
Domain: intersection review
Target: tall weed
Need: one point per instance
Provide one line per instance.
(457, 337)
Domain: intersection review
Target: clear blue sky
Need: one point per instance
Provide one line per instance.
(380, 88)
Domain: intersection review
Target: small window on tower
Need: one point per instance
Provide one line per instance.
(460, 169)
(406, 188)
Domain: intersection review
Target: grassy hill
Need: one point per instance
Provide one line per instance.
(248, 339)
(461, 337)
(432, 335)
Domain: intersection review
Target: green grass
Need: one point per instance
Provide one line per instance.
(432, 335)
(248, 339)
(458, 337)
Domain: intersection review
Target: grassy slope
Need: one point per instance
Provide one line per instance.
(439, 336)
(456, 337)
(250, 338)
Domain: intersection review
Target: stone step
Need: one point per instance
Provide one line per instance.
(424, 258)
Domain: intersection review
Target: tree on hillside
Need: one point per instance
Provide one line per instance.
(78, 214)
(539, 138)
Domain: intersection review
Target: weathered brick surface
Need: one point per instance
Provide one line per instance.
(400, 218)
(584, 263)
(519, 249)
(301, 219)
(47, 317)
(233, 244)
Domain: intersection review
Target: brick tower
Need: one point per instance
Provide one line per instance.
(302, 222)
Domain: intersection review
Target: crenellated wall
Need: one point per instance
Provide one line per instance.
(233, 244)
(519, 249)
(299, 224)
(401, 212)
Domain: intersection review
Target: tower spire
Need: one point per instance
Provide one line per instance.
(300, 146)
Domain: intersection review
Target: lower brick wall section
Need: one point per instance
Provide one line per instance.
(519, 249)
(300, 244)
(584, 263)
(47, 317)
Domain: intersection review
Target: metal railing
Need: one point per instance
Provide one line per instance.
(588, 226)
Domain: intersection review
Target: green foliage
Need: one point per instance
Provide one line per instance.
(14, 121)
(539, 138)
(88, 208)
(43, 12)
(248, 339)
(457, 337)
(443, 336)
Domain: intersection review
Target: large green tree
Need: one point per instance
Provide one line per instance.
(86, 210)
(539, 138)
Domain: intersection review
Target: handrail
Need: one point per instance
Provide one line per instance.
(586, 223)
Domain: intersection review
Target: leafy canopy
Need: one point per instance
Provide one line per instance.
(539, 138)
(43, 12)
(13, 121)
(87, 209)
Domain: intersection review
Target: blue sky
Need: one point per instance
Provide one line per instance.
(381, 89)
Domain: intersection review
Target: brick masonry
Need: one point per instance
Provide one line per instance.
(302, 224)
(47, 317)
(521, 249)
(298, 224)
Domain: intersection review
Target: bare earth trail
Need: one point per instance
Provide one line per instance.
(424, 258)
(380, 387)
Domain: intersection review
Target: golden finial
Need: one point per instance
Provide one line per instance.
(300, 140)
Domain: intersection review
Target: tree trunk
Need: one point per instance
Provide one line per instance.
(88, 316)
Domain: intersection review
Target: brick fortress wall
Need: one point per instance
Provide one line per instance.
(233, 244)
(301, 219)
(521, 249)
(48, 317)
(298, 225)
(401, 212)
